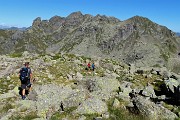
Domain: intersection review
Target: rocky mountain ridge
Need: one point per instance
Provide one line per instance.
(137, 40)
(11, 28)
(178, 34)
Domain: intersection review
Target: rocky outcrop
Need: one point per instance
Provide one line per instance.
(153, 111)
(64, 89)
(91, 106)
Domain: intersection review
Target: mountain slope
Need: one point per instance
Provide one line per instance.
(136, 40)
(178, 34)
(64, 89)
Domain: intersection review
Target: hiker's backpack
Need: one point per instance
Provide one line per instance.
(93, 66)
(24, 74)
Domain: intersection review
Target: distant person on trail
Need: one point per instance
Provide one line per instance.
(93, 66)
(25, 75)
(89, 66)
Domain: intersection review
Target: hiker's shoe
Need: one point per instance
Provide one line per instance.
(23, 97)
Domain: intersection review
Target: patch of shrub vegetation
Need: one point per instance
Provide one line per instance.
(144, 80)
(122, 114)
(13, 55)
(67, 113)
(56, 57)
(29, 116)
(91, 116)
(6, 107)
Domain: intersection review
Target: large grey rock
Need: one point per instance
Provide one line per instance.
(105, 115)
(116, 103)
(69, 77)
(164, 73)
(151, 110)
(49, 96)
(107, 88)
(149, 91)
(8, 71)
(75, 99)
(91, 106)
(171, 84)
(10, 94)
(25, 54)
(79, 76)
(132, 69)
(32, 95)
(82, 117)
(91, 85)
(125, 89)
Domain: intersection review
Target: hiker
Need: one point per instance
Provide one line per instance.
(25, 75)
(89, 66)
(93, 66)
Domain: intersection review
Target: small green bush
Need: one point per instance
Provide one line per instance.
(13, 55)
(29, 116)
(122, 114)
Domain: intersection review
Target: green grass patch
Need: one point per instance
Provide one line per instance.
(66, 114)
(14, 55)
(91, 116)
(156, 65)
(56, 57)
(6, 107)
(5, 85)
(28, 116)
(3, 33)
(140, 79)
(100, 72)
(121, 113)
(158, 84)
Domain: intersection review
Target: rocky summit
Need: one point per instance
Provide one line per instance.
(136, 75)
(136, 40)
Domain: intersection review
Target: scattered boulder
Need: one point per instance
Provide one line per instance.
(149, 91)
(151, 110)
(91, 85)
(171, 84)
(125, 89)
(69, 77)
(8, 78)
(25, 54)
(132, 69)
(9, 70)
(79, 76)
(82, 117)
(165, 73)
(116, 103)
(32, 95)
(74, 100)
(91, 106)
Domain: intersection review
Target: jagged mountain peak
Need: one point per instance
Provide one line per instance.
(139, 20)
(136, 40)
(36, 21)
(74, 15)
(55, 18)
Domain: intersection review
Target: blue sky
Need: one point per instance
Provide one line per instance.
(22, 12)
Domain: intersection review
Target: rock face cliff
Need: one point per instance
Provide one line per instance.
(136, 40)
